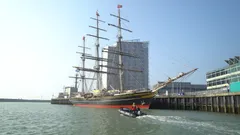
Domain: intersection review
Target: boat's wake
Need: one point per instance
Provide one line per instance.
(189, 124)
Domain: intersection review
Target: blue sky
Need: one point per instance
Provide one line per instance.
(39, 39)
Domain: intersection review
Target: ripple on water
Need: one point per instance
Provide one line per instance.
(186, 123)
(47, 119)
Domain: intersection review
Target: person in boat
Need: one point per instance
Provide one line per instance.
(134, 107)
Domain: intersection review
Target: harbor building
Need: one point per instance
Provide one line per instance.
(181, 87)
(224, 77)
(68, 92)
(131, 79)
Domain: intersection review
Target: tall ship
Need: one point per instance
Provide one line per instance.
(113, 98)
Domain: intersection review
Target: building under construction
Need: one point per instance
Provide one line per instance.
(131, 78)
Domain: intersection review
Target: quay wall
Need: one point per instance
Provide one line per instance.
(62, 101)
(222, 102)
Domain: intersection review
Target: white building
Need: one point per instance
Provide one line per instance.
(70, 91)
(132, 80)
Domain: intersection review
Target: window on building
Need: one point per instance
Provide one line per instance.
(223, 82)
(214, 83)
(234, 79)
(234, 69)
(228, 81)
(223, 72)
(210, 76)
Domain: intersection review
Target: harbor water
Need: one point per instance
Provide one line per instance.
(47, 119)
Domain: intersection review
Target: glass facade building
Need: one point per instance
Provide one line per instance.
(223, 77)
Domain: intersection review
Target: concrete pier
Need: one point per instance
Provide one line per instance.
(63, 101)
(224, 102)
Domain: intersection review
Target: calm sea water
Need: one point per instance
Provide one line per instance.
(47, 119)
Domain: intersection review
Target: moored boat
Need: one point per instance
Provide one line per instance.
(141, 99)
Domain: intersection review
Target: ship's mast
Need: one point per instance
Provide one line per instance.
(98, 83)
(76, 78)
(83, 64)
(84, 54)
(120, 46)
(120, 49)
(96, 58)
(97, 52)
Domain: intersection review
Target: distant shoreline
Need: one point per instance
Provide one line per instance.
(22, 100)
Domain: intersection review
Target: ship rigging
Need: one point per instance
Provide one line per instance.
(119, 97)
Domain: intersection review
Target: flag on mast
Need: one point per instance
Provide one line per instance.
(119, 6)
(97, 13)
